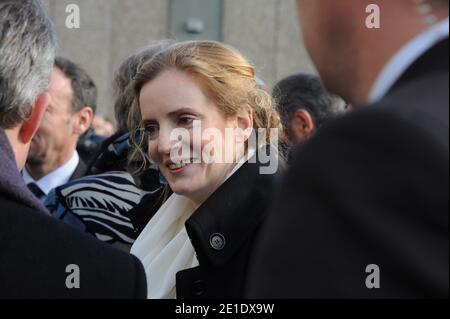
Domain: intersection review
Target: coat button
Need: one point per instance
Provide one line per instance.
(217, 241)
(198, 288)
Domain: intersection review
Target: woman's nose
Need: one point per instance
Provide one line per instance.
(174, 141)
(164, 142)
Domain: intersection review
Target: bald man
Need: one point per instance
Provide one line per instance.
(363, 211)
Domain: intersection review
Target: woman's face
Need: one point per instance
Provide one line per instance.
(174, 100)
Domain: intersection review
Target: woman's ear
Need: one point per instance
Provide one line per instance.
(245, 122)
(31, 125)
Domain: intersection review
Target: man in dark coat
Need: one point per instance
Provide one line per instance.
(39, 256)
(364, 211)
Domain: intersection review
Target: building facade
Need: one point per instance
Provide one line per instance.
(265, 31)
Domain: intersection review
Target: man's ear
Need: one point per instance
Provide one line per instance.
(302, 125)
(245, 121)
(31, 125)
(83, 120)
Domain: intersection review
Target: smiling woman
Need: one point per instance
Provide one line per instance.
(199, 242)
(164, 106)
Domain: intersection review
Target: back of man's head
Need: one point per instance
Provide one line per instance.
(83, 86)
(306, 92)
(27, 52)
(351, 42)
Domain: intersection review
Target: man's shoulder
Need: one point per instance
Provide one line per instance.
(422, 103)
(409, 122)
(38, 254)
(418, 109)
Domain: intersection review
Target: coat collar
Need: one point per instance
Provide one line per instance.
(233, 213)
(67, 172)
(80, 171)
(434, 60)
(12, 185)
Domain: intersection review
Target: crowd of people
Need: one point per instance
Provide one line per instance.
(213, 186)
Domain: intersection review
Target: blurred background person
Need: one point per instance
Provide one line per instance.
(103, 126)
(116, 214)
(105, 160)
(304, 106)
(90, 143)
(366, 199)
(53, 159)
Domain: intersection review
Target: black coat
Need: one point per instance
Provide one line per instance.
(40, 257)
(80, 171)
(223, 232)
(371, 188)
(36, 249)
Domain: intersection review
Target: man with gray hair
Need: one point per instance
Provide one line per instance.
(304, 106)
(39, 256)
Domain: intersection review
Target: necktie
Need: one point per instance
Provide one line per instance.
(36, 190)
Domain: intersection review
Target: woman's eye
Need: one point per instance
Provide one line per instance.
(186, 120)
(151, 131)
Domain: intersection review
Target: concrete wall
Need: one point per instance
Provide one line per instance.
(265, 31)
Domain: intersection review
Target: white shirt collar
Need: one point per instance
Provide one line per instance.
(58, 177)
(406, 57)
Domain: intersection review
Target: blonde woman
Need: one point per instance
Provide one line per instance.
(199, 106)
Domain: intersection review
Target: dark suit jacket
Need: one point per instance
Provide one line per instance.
(80, 171)
(35, 251)
(371, 188)
(223, 231)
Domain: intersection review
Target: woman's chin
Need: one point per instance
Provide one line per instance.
(188, 190)
(182, 189)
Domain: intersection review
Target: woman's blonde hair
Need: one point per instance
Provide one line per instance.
(226, 77)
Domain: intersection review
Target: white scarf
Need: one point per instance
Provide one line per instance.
(164, 247)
